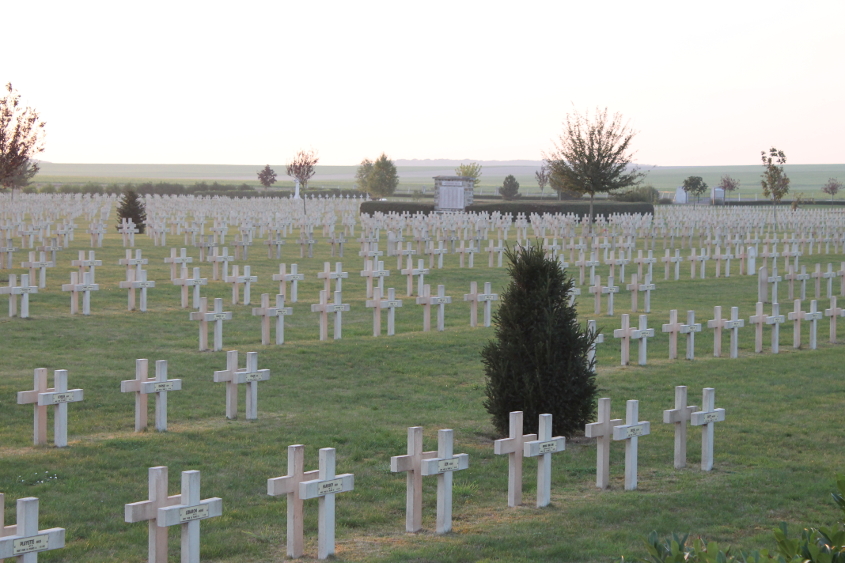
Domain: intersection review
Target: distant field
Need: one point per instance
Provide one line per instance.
(806, 178)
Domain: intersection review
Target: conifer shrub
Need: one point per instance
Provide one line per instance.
(131, 207)
(538, 361)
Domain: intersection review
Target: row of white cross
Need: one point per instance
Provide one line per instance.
(642, 333)
(187, 509)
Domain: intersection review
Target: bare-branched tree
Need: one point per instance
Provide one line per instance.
(728, 183)
(542, 176)
(21, 138)
(832, 187)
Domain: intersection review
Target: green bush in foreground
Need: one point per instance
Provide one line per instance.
(538, 362)
(816, 545)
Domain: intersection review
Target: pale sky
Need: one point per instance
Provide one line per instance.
(251, 82)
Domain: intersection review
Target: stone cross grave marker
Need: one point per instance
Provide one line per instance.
(427, 300)
(512, 446)
(289, 486)
(147, 511)
(543, 448)
(144, 385)
(327, 276)
(443, 466)
(634, 288)
(706, 418)
(690, 329)
(324, 308)
(217, 317)
(643, 333)
(40, 397)
(325, 487)
(474, 297)
(28, 541)
(679, 416)
(676, 260)
(177, 262)
(90, 264)
(602, 431)
(221, 257)
(137, 263)
(75, 288)
(829, 275)
(630, 432)
(411, 465)
(266, 313)
(420, 272)
(833, 313)
(278, 243)
(610, 290)
(233, 376)
(236, 280)
(813, 317)
(596, 290)
(188, 514)
(185, 282)
(24, 290)
(497, 249)
(294, 277)
(41, 265)
(137, 282)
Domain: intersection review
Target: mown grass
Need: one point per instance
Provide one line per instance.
(776, 454)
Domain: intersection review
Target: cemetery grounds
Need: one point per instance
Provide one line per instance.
(776, 454)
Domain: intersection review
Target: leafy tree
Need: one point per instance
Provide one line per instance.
(267, 176)
(302, 167)
(774, 180)
(728, 183)
(832, 187)
(362, 175)
(471, 170)
(21, 138)
(593, 155)
(695, 186)
(537, 362)
(378, 178)
(542, 176)
(510, 188)
(132, 207)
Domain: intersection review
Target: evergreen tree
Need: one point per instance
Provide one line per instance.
(131, 207)
(267, 176)
(538, 361)
(510, 188)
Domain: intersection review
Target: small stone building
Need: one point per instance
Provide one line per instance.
(452, 193)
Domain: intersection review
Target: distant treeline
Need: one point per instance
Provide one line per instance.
(167, 188)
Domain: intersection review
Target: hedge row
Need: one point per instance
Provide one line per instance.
(787, 203)
(579, 208)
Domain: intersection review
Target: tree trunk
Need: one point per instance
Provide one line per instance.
(590, 225)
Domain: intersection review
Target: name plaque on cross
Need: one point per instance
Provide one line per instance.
(57, 398)
(28, 545)
(191, 513)
(439, 466)
(621, 433)
(534, 449)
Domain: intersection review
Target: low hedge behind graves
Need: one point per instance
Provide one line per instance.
(579, 208)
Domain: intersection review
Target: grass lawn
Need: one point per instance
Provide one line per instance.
(775, 459)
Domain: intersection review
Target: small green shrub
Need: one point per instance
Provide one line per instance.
(647, 194)
(510, 188)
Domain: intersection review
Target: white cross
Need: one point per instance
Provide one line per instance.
(27, 540)
(833, 313)
(690, 329)
(41, 397)
(217, 317)
(138, 262)
(174, 260)
(24, 289)
(543, 448)
(327, 276)
(267, 312)
(443, 465)
(512, 446)
(217, 259)
(643, 333)
(90, 263)
(324, 308)
(233, 376)
(706, 417)
(246, 279)
(812, 317)
(610, 290)
(420, 271)
(133, 283)
(74, 287)
(679, 416)
(427, 300)
(411, 464)
(293, 277)
(143, 385)
(187, 282)
(188, 514)
(630, 432)
(602, 431)
(147, 510)
(325, 487)
(41, 265)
